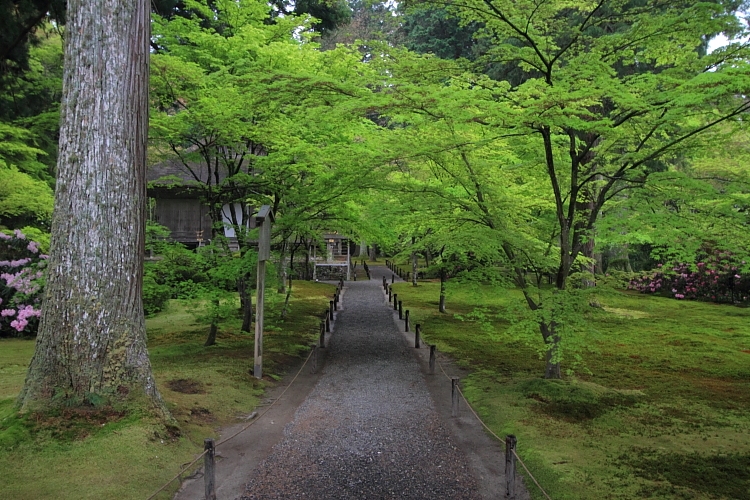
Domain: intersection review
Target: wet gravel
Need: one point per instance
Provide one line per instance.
(369, 429)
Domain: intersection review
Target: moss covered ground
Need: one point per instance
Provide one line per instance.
(100, 453)
(657, 409)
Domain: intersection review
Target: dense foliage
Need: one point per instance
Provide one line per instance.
(508, 141)
(716, 278)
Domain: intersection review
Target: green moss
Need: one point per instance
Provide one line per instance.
(666, 376)
(716, 475)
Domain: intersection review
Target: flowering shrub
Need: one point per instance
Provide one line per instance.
(716, 279)
(21, 283)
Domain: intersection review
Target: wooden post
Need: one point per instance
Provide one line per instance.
(400, 310)
(510, 467)
(417, 333)
(314, 358)
(209, 468)
(390, 291)
(432, 359)
(393, 278)
(330, 308)
(395, 302)
(335, 302)
(328, 321)
(406, 321)
(264, 219)
(322, 334)
(454, 396)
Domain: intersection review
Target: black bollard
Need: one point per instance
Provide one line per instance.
(510, 467)
(454, 396)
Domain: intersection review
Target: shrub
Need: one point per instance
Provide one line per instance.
(155, 296)
(716, 278)
(21, 283)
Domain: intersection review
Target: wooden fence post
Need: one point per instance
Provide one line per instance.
(322, 334)
(328, 321)
(400, 310)
(330, 308)
(390, 292)
(406, 320)
(209, 468)
(314, 359)
(454, 396)
(432, 359)
(510, 467)
(395, 302)
(417, 332)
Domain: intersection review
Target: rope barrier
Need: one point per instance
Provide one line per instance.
(502, 441)
(495, 435)
(236, 433)
(531, 475)
(184, 469)
(269, 406)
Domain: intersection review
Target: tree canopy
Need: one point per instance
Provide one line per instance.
(522, 139)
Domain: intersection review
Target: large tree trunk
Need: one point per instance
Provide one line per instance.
(91, 345)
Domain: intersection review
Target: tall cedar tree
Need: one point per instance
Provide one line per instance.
(91, 345)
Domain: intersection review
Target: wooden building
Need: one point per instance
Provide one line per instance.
(176, 204)
(336, 263)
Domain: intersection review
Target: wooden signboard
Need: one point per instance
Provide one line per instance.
(264, 219)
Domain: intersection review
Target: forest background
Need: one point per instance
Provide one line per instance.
(542, 146)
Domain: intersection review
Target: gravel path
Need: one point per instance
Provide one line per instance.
(369, 429)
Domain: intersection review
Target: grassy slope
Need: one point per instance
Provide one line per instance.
(74, 456)
(663, 413)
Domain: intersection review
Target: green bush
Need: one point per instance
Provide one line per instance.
(155, 295)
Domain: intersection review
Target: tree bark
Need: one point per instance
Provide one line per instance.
(282, 272)
(414, 266)
(552, 362)
(247, 305)
(91, 345)
(441, 306)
